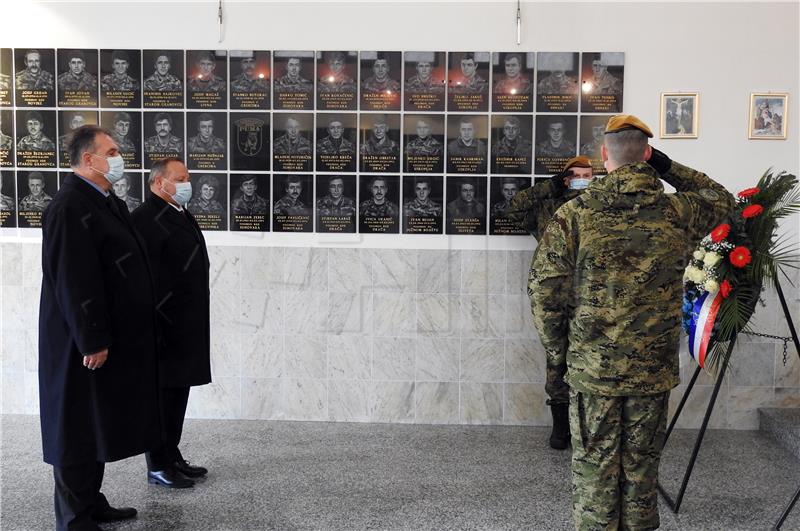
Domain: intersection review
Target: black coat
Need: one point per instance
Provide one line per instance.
(97, 292)
(179, 261)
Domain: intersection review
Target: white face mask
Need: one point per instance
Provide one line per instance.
(183, 193)
(579, 183)
(116, 168)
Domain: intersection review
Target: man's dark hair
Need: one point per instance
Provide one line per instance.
(469, 56)
(162, 53)
(210, 180)
(35, 175)
(292, 179)
(76, 54)
(626, 147)
(122, 117)
(204, 117)
(421, 180)
(162, 116)
(557, 120)
(34, 115)
(378, 178)
(81, 140)
(511, 56)
(159, 167)
(205, 55)
(120, 55)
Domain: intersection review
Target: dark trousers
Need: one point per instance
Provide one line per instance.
(172, 408)
(77, 495)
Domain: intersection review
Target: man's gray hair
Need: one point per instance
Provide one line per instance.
(159, 167)
(626, 147)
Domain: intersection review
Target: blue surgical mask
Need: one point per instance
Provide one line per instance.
(578, 183)
(183, 193)
(116, 168)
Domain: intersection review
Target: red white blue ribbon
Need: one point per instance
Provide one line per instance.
(703, 316)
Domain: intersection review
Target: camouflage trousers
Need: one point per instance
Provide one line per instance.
(555, 386)
(616, 448)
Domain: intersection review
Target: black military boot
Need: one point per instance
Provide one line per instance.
(559, 439)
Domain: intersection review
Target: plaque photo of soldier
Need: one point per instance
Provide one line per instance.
(163, 84)
(336, 142)
(130, 189)
(468, 81)
(121, 78)
(467, 136)
(8, 199)
(423, 141)
(6, 138)
(425, 81)
(380, 81)
(77, 77)
(602, 75)
(6, 82)
(35, 190)
(292, 149)
(466, 205)
(556, 138)
(250, 141)
(206, 83)
(35, 133)
(422, 204)
(512, 81)
(336, 203)
(558, 87)
(293, 81)
(337, 81)
(291, 212)
(34, 81)
(68, 121)
(592, 133)
(380, 143)
(250, 202)
(126, 130)
(206, 144)
(512, 150)
(501, 191)
(163, 136)
(378, 211)
(251, 78)
(209, 204)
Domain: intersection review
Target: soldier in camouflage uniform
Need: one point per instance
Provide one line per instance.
(119, 78)
(337, 79)
(6, 201)
(512, 144)
(473, 83)
(378, 206)
(121, 189)
(422, 206)
(604, 82)
(204, 202)
(380, 81)
(248, 81)
(248, 202)
(592, 149)
(292, 81)
(379, 142)
(35, 140)
(33, 77)
(163, 141)
(122, 126)
(206, 80)
(290, 204)
(6, 142)
(38, 199)
(424, 145)
(161, 80)
(556, 145)
(509, 189)
(292, 142)
(5, 82)
(514, 82)
(422, 81)
(466, 145)
(335, 203)
(335, 143)
(205, 141)
(77, 78)
(75, 122)
(465, 205)
(558, 82)
(606, 299)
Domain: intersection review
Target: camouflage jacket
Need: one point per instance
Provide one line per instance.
(198, 205)
(387, 146)
(42, 143)
(328, 207)
(418, 209)
(212, 145)
(387, 209)
(114, 82)
(520, 85)
(41, 81)
(160, 83)
(5, 82)
(341, 83)
(533, 208)
(6, 142)
(298, 84)
(373, 85)
(457, 148)
(69, 81)
(327, 146)
(29, 203)
(546, 149)
(241, 206)
(476, 85)
(519, 147)
(174, 145)
(124, 143)
(285, 146)
(288, 206)
(243, 83)
(607, 84)
(606, 282)
(7, 203)
(424, 147)
(553, 84)
(416, 84)
(212, 84)
(132, 203)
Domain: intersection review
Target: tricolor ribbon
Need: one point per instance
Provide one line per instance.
(704, 314)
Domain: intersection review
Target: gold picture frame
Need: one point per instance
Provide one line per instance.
(768, 115)
(680, 112)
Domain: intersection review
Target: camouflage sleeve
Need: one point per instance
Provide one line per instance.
(526, 205)
(704, 201)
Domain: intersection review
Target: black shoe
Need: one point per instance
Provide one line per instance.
(111, 514)
(183, 466)
(560, 437)
(168, 478)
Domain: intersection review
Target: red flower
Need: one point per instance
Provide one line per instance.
(725, 288)
(752, 211)
(748, 192)
(740, 256)
(720, 233)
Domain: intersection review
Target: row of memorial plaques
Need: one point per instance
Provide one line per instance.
(298, 206)
(303, 80)
(468, 143)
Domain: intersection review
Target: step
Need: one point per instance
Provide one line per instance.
(783, 425)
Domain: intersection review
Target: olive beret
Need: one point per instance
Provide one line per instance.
(624, 122)
(578, 162)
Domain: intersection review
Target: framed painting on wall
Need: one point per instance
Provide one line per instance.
(768, 113)
(679, 114)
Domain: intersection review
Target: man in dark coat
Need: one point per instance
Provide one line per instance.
(179, 261)
(98, 385)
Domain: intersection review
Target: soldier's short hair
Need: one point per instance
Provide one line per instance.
(247, 178)
(335, 118)
(509, 180)
(120, 55)
(468, 56)
(421, 180)
(556, 120)
(208, 179)
(27, 53)
(159, 167)
(332, 56)
(468, 181)
(81, 140)
(379, 119)
(466, 120)
(205, 56)
(627, 146)
(34, 116)
(128, 179)
(162, 53)
(122, 116)
(204, 117)
(75, 54)
(382, 56)
(511, 56)
(376, 179)
(35, 175)
(513, 120)
(292, 179)
(335, 178)
(162, 116)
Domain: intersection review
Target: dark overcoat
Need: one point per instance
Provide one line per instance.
(97, 293)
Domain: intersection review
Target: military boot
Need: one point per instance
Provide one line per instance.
(559, 439)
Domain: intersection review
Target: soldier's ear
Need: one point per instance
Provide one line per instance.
(648, 152)
(603, 153)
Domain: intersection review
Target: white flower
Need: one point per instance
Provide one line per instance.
(711, 286)
(699, 254)
(695, 275)
(711, 259)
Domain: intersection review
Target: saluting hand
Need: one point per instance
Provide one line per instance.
(96, 360)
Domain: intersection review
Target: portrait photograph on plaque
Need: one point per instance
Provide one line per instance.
(378, 212)
(36, 131)
(126, 130)
(163, 136)
(6, 77)
(557, 89)
(251, 79)
(206, 143)
(467, 137)
(380, 143)
(250, 141)
(602, 76)
(130, 189)
(335, 206)
(512, 150)
(209, 204)
(206, 79)
(556, 138)
(291, 211)
(423, 141)
(250, 200)
(6, 138)
(768, 112)
(337, 135)
(163, 84)
(68, 121)
(468, 81)
(121, 78)
(466, 205)
(422, 204)
(34, 78)
(501, 191)
(8, 199)
(77, 77)
(679, 114)
(35, 190)
(425, 81)
(592, 135)
(337, 81)
(293, 148)
(380, 81)
(512, 81)
(293, 80)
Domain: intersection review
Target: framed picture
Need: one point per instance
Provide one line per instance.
(679, 114)
(768, 113)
